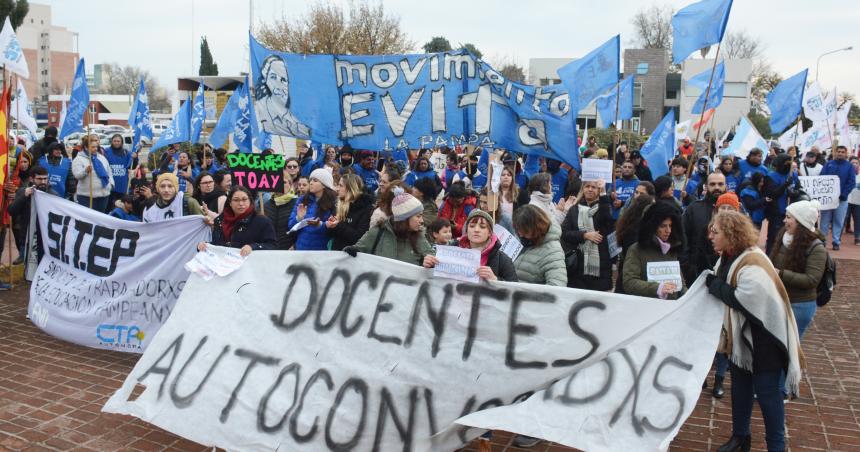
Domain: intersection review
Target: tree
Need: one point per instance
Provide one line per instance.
(472, 49)
(208, 66)
(652, 27)
(513, 72)
(761, 123)
(324, 28)
(761, 85)
(118, 79)
(15, 10)
(437, 44)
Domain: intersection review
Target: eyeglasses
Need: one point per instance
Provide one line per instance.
(207, 182)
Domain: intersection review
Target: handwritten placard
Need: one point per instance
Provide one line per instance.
(825, 189)
(596, 169)
(511, 245)
(258, 172)
(665, 271)
(457, 263)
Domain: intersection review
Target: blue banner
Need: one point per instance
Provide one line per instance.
(399, 102)
(198, 114)
(786, 101)
(660, 147)
(589, 76)
(607, 104)
(715, 94)
(139, 119)
(698, 25)
(179, 130)
(78, 103)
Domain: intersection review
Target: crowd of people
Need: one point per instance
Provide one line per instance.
(595, 235)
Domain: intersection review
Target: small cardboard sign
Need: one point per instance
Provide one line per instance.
(596, 169)
(824, 189)
(457, 263)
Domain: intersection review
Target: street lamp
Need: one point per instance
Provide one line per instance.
(828, 53)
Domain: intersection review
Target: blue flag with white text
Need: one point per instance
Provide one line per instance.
(398, 102)
(179, 130)
(139, 119)
(698, 25)
(715, 94)
(607, 104)
(198, 114)
(78, 103)
(660, 147)
(589, 76)
(243, 130)
(786, 101)
(224, 126)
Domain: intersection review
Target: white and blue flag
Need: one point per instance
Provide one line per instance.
(198, 114)
(11, 54)
(179, 130)
(139, 119)
(78, 103)
(715, 94)
(746, 137)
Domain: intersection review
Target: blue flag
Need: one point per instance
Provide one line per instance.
(606, 104)
(786, 101)
(698, 25)
(394, 103)
(715, 95)
(78, 103)
(138, 118)
(198, 114)
(243, 130)
(660, 147)
(179, 130)
(224, 126)
(591, 75)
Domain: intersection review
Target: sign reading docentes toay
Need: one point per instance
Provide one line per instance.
(408, 102)
(257, 172)
(104, 282)
(322, 351)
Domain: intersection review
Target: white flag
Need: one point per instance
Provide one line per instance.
(842, 125)
(817, 136)
(23, 109)
(12, 57)
(682, 129)
(746, 138)
(62, 115)
(790, 137)
(813, 103)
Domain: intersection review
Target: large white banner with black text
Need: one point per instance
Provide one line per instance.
(105, 282)
(322, 351)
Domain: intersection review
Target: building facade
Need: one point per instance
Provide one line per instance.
(736, 94)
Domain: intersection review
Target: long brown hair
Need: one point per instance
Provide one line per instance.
(402, 232)
(513, 192)
(796, 259)
(531, 221)
(631, 217)
(354, 187)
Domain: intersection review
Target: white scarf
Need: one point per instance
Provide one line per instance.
(787, 239)
(590, 251)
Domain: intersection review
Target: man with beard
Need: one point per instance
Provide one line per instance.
(120, 161)
(20, 208)
(42, 146)
(698, 255)
(59, 169)
(777, 184)
(423, 170)
(170, 203)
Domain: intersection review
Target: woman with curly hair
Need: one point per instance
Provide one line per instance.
(660, 240)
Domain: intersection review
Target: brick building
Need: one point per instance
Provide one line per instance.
(104, 109)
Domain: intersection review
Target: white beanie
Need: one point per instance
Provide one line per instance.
(324, 176)
(805, 212)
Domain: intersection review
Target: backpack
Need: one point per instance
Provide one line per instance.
(828, 279)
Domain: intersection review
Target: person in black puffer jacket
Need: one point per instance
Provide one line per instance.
(278, 209)
(354, 208)
(239, 226)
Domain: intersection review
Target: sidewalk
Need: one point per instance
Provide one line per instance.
(51, 392)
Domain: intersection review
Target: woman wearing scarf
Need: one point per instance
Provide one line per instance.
(239, 226)
(400, 237)
(278, 209)
(352, 219)
(540, 195)
(584, 232)
(91, 169)
(760, 333)
(660, 240)
(208, 194)
(495, 265)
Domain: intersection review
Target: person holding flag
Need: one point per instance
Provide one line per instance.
(120, 161)
(139, 119)
(92, 171)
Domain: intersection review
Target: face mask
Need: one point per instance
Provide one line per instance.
(526, 242)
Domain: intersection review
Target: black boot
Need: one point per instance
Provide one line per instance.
(718, 391)
(736, 444)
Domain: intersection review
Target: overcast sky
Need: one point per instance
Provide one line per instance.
(157, 34)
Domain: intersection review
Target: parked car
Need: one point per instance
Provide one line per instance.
(73, 139)
(112, 129)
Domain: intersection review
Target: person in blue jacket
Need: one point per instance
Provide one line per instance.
(752, 164)
(730, 170)
(839, 166)
(120, 161)
(452, 172)
(423, 170)
(59, 168)
(316, 206)
(366, 170)
(126, 212)
(559, 178)
(776, 187)
(753, 199)
(625, 187)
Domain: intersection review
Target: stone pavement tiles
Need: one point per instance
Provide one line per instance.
(51, 392)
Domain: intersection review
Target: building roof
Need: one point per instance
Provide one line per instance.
(116, 107)
(212, 82)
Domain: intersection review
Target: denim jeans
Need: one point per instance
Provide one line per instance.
(769, 396)
(722, 365)
(803, 314)
(837, 218)
(99, 204)
(854, 209)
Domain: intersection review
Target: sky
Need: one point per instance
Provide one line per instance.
(160, 35)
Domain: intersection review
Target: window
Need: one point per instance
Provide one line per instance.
(637, 94)
(634, 123)
(53, 109)
(735, 89)
(672, 94)
(642, 69)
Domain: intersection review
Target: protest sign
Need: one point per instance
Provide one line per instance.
(612, 241)
(825, 189)
(402, 102)
(319, 351)
(597, 169)
(457, 263)
(215, 261)
(257, 171)
(105, 282)
(439, 161)
(511, 245)
(665, 271)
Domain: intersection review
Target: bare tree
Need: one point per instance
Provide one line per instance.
(742, 45)
(325, 28)
(652, 27)
(117, 79)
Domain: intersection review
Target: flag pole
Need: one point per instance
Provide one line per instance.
(3, 201)
(92, 167)
(704, 108)
(615, 136)
(797, 129)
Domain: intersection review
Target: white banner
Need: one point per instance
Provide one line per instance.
(825, 189)
(818, 136)
(321, 351)
(105, 282)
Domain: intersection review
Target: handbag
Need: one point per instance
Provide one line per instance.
(571, 259)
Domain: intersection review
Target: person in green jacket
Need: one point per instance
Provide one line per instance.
(660, 240)
(400, 237)
(542, 260)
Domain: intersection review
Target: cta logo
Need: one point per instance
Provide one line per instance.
(120, 336)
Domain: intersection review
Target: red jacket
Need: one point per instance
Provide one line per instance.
(458, 216)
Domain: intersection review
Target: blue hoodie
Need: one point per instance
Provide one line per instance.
(311, 238)
(845, 171)
(413, 176)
